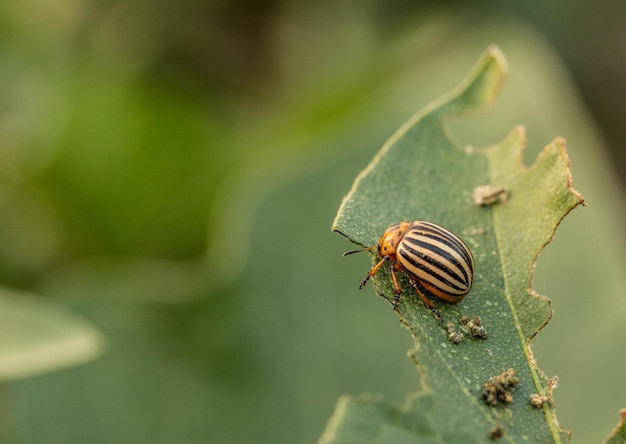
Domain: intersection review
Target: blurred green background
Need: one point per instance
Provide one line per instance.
(169, 172)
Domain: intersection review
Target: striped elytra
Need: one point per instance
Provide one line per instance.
(438, 259)
(434, 258)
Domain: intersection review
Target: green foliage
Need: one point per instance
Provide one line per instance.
(423, 174)
(619, 434)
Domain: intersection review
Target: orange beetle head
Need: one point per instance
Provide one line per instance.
(390, 239)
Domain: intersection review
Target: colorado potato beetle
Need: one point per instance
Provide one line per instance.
(434, 258)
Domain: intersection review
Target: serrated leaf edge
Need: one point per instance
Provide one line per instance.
(538, 375)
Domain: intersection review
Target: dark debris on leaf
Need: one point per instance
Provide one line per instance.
(498, 388)
(474, 327)
(453, 336)
(496, 432)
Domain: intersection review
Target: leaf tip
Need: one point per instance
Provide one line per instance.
(496, 53)
(479, 89)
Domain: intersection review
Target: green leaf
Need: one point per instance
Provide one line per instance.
(39, 335)
(361, 418)
(618, 436)
(423, 173)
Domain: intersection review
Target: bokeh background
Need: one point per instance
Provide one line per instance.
(169, 171)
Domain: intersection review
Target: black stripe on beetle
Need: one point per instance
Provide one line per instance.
(439, 274)
(438, 257)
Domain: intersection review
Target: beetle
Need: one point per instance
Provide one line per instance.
(434, 258)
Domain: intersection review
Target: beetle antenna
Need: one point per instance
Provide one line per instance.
(347, 253)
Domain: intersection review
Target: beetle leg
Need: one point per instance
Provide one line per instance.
(396, 286)
(426, 301)
(373, 271)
